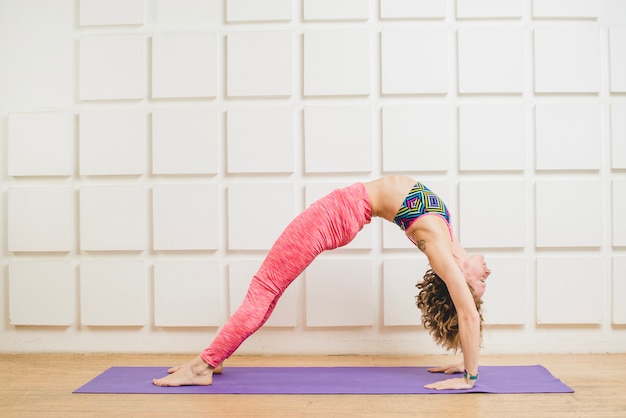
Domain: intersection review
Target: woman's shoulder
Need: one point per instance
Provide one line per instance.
(433, 229)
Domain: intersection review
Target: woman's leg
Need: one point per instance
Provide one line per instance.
(299, 244)
(331, 222)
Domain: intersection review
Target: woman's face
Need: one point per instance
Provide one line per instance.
(476, 272)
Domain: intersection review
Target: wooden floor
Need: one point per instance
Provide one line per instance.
(42, 385)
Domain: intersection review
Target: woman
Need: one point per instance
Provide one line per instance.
(334, 221)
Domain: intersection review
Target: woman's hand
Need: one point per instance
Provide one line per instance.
(450, 369)
(449, 384)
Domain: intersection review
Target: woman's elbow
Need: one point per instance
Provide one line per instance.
(470, 317)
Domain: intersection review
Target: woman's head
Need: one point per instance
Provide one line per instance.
(476, 272)
(439, 315)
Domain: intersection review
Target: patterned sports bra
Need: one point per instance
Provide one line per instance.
(420, 201)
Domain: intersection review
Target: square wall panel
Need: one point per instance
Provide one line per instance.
(400, 275)
(113, 217)
(506, 299)
(112, 142)
(258, 213)
(316, 191)
(617, 54)
(619, 209)
(186, 293)
(186, 13)
(493, 214)
(259, 63)
(492, 137)
(40, 144)
(185, 141)
(470, 9)
(336, 9)
(619, 290)
(184, 65)
(185, 217)
(394, 237)
(41, 293)
(338, 139)
(111, 12)
(564, 285)
(412, 9)
(491, 60)
(38, 63)
(567, 59)
(258, 11)
(340, 293)
(574, 127)
(554, 215)
(113, 293)
(575, 9)
(415, 60)
(613, 12)
(41, 218)
(618, 135)
(408, 130)
(260, 139)
(337, 62)
(112, 67)
(240, 273)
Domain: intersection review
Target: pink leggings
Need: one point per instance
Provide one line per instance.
(331, 222)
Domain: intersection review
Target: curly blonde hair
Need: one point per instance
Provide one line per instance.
(439, 315)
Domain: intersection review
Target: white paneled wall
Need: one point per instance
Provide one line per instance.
(40, 218)
(265, 132)
(112, 142)
(493, 137)
(155, 149)
(184, 65)
(185, 216)
(113, 292)
(567, 59)
(194, 281)
(259, 63)
(414, 60)
(185, 141)
(37, 283)
(112, 67)
(351, 300)
(40, 145)
(618, 59)
(491, 59)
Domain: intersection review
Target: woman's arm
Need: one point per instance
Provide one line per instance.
(442, 262)
(469, 319)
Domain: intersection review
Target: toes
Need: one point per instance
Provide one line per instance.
(173, 369)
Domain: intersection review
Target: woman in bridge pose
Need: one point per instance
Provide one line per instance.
(449, 295)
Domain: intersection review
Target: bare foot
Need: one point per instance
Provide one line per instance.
(193, 373)
(217, 370)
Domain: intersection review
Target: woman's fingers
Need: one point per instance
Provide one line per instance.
(449, 369)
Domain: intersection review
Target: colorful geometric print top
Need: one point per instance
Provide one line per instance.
(420, 201)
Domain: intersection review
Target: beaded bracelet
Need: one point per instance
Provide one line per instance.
(469, 377)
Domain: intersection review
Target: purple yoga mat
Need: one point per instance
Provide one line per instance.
(327, 380)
